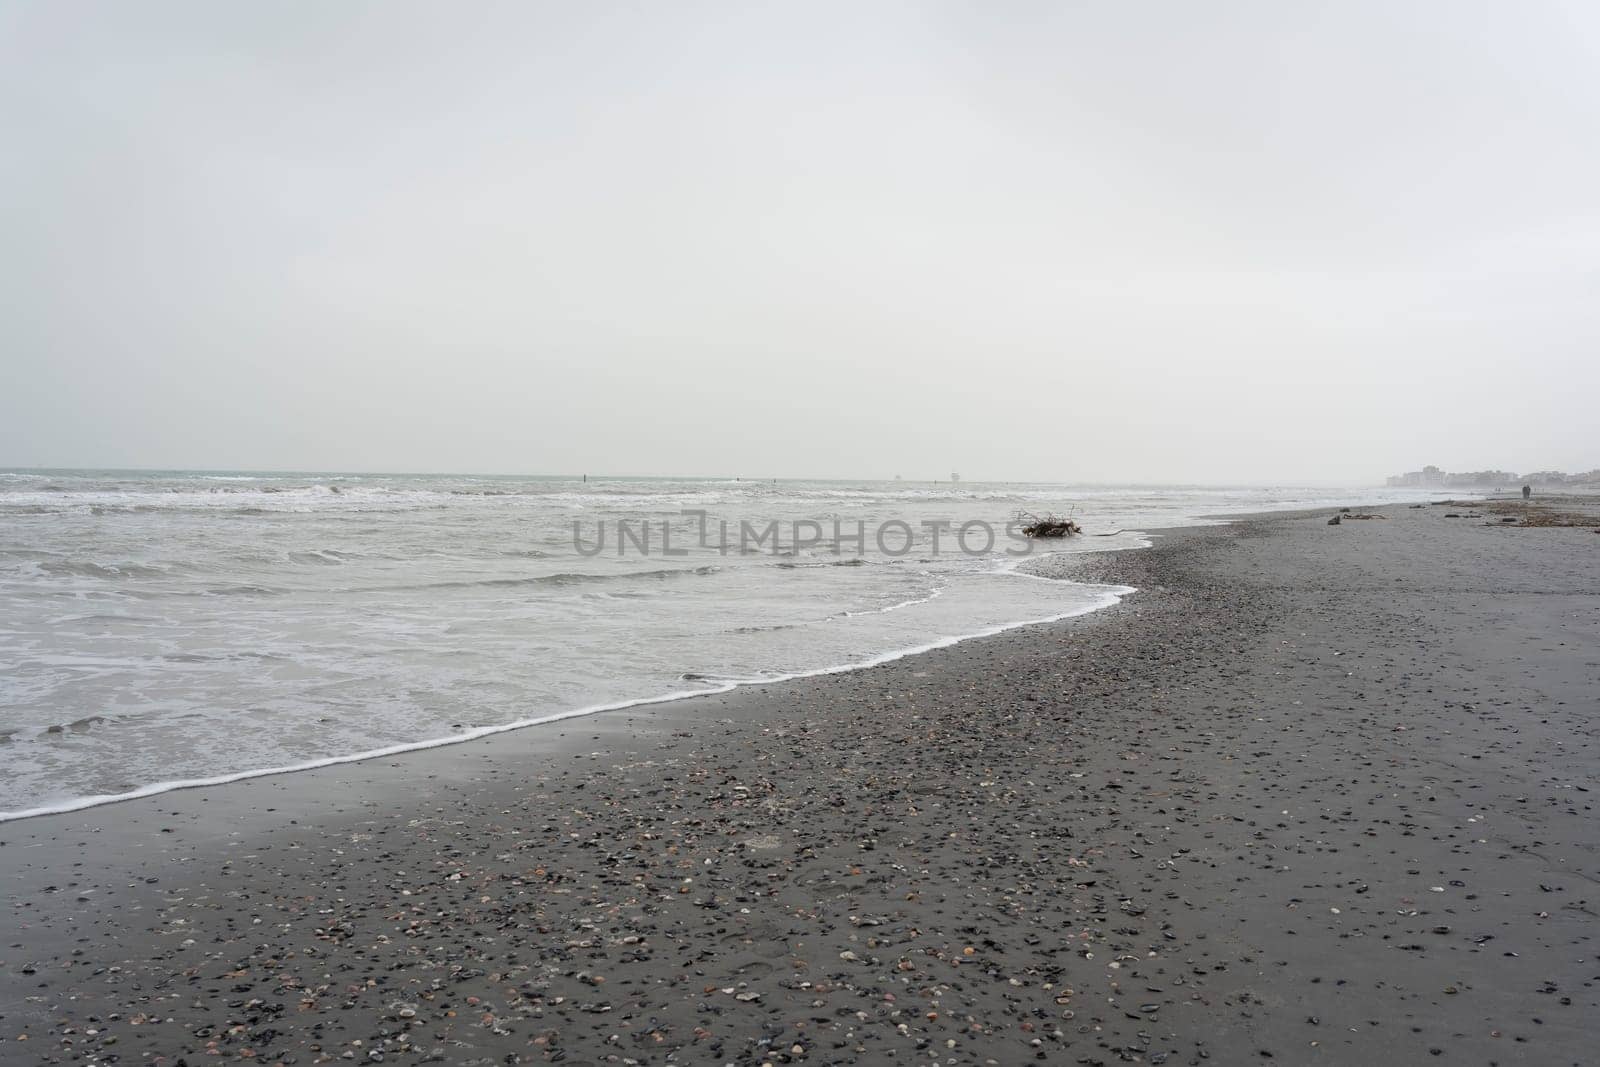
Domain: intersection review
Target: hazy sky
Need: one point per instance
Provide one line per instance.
(1059, 241)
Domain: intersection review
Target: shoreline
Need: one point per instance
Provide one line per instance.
(1112, 590)
(1061, 841)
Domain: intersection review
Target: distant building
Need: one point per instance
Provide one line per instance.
(1429, 477)
(1433, 478)
(1552, 478)
(1474, 479)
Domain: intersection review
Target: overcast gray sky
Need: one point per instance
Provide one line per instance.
(1059, 241)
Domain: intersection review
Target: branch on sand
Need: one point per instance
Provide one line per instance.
(1047, 525)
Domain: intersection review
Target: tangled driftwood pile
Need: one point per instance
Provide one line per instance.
(1047, 525)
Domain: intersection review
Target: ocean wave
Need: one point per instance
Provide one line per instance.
(321, 557)
(86, 569)
(933, 594)
(77, 726)
(565, 578)
(103, 616)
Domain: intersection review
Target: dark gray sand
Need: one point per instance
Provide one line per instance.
(1314, 794)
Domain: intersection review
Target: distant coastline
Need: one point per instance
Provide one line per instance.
(1432, 477)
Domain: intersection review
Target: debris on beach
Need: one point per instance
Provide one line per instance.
(1522, 514)
(1515, 512)
(1047, 525)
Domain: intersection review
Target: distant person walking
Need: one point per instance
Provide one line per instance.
(1527, 491)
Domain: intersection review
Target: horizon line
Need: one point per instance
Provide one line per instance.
(634, 476)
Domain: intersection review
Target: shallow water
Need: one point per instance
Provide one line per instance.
(173, 626)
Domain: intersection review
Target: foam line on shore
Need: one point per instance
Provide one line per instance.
(1109, 595)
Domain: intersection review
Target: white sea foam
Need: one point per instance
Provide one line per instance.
(1111, 595)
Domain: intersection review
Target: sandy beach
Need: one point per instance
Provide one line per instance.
(1313, 794)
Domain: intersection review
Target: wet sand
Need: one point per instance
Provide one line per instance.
(1313, 794)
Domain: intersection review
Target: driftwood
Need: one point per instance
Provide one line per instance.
(1047, 525)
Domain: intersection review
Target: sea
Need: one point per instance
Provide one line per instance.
(162, 629)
